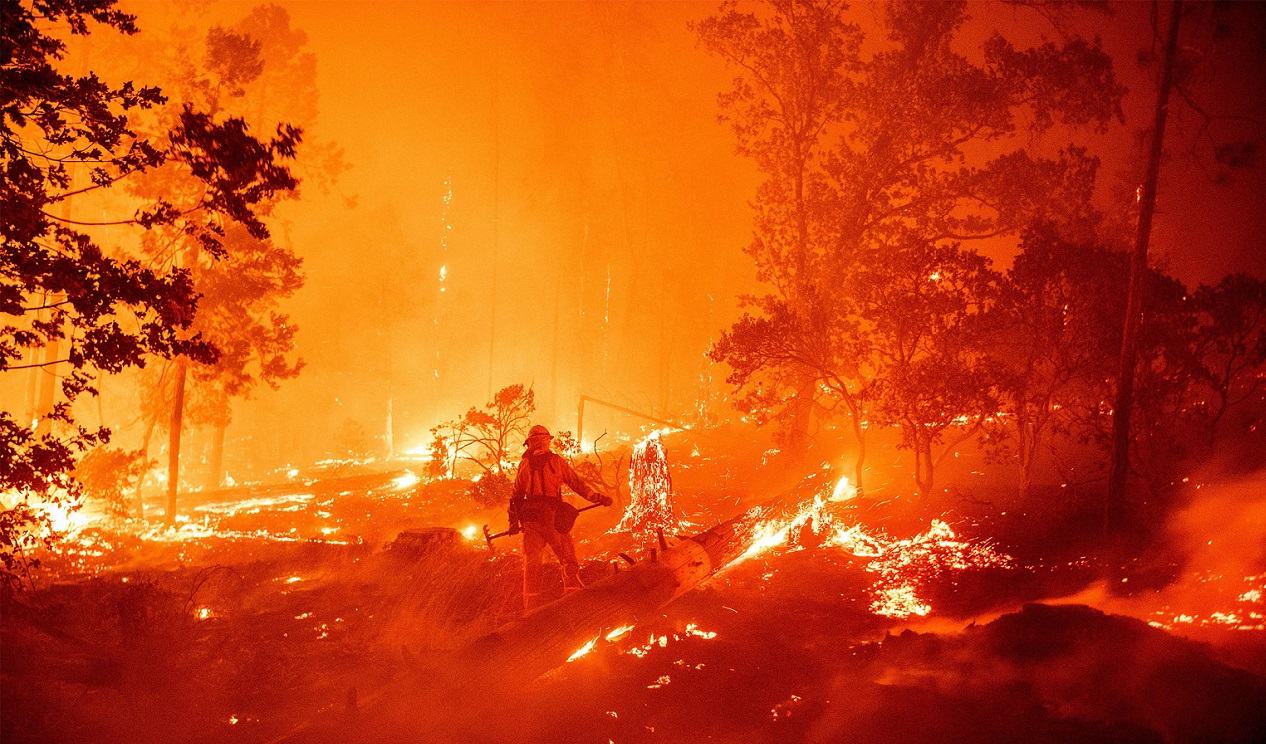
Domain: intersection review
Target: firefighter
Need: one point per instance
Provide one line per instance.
(535, 507)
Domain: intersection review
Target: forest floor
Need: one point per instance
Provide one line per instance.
(287, 612)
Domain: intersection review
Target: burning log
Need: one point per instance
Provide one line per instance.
(503, 661)
(573, 625)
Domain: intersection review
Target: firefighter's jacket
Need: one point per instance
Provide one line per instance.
(540, 480)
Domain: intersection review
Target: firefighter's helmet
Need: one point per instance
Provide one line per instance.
(538, 431)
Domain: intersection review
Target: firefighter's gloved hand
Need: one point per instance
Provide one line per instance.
(605, 500)
(515, 528)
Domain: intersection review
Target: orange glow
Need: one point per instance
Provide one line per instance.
(257, 482)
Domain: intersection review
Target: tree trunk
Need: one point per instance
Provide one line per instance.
(859, 432)
(1114, 505)
(1026, 473)
(801, 415)
(924, 469)
(140, 482)
(173, 447)
(1027, 448)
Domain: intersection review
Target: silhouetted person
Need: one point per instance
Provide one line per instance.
(534, 510)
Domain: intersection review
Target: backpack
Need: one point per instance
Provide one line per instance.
(564, 513)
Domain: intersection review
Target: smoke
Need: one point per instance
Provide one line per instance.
(1219, 539)
(1045, 674)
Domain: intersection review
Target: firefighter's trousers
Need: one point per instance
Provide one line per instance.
(536, 535)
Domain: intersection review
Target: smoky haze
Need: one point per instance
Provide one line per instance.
(542, 194)
(590, 243)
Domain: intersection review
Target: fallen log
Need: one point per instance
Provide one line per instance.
(544, 639)
(502, 662)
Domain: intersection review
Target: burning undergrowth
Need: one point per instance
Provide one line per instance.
(903, 567)
(296, 626)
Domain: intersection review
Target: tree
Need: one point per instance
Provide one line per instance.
(791, 89)
(921, 306)
(1229, 344)
(105, 473)
(863, 155)
(233, 67)
(770, 352)
(63, 293)
(483, 436)
(590, 467)
(239, 314)
(353, 441)
(1052, 341)
(1119, 473)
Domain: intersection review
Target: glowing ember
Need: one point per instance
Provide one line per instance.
(294, 579)
(1248, 614)
(899, 602)
(286, 503)
(203, 613)
(583, 649)
(618, 632)
(661, 641)
(692, 629)
(470, 532)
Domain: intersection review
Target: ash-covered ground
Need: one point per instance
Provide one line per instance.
(292, 612)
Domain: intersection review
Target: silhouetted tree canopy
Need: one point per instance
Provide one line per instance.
(60, 288)
(877, 159)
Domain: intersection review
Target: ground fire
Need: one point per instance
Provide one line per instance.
(773, 370)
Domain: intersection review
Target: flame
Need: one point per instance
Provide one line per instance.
(618, 632)
(583, 649)
(902, 566)
(66, 519)
(406, 480)
(843, 491)
(651, 509)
